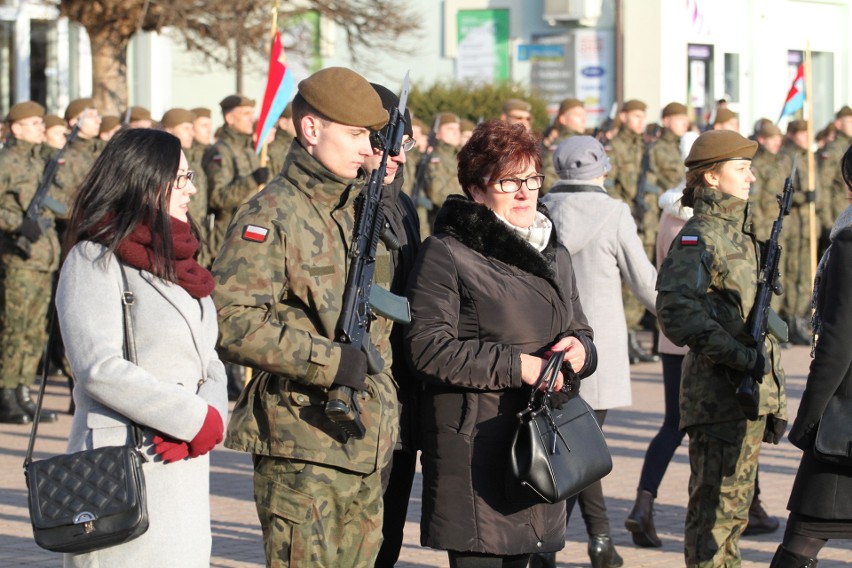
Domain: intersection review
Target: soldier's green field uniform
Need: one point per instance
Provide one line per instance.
(280, 276)
(276, 152)
(707, 285)
(769, 170)
(25, 282)
(832, 188)
(199, 202)
(73, 167)
(443, 177)
(666, 161)
(228, 164)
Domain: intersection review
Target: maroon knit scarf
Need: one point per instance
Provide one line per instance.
(135, 250)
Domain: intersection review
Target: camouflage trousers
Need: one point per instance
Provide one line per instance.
(25, 297)
(318, 516)
(723, 466)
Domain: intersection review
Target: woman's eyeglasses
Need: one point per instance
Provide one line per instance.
(181, 179)
(513, 185)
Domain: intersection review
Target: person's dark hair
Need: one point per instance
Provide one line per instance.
(302, 108)
(494, 150)
(130, 184)
(694, 180)
(846, 167)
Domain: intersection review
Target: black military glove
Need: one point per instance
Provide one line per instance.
(762, 365)
(352, 371)
(31, 229)
(775, 428)
(261, 175)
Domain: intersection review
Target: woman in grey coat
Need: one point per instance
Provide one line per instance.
(125, 221)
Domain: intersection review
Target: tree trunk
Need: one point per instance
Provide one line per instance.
(109, 71)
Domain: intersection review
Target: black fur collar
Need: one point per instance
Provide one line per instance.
(479, 229)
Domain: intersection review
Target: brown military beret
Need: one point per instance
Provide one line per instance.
(719, 146)
(176, 116)
(52, 120)
(672, 109)
(448, 118)
(109, 122)
(766, 128)
(345, 97)
(418, 123)
(26, 109)
(201, 112)
(724, 115)
(568, 104)
(288, 111)
(844, 111)
(77, 106)
(467, 125)
(795, 126)
(231, 102)
(139, 113)
(516, 104)
(634, 104)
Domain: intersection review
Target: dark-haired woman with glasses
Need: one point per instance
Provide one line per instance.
(492, 294)
(130, 230)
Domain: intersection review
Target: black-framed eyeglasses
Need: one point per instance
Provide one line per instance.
(181, 179)
(513, 185)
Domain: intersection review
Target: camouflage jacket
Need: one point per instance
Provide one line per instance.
(276, 152)
(280, 277)
(228, 165)
(706, 289)
(199, 202)
(626, 158)
(73, 168)
(832, 194)
(443, 178)
(21, 168)
(796, 227)
(666, 161)
(770, 172)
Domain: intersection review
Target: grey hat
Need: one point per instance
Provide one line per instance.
(580, 158)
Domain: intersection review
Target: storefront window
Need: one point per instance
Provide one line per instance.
(701, 81)
(7, 66)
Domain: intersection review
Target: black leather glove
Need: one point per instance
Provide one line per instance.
(571, 383)
(775, 428)
(31, 229)
(762, 365)
(352, 371)
(260, 175)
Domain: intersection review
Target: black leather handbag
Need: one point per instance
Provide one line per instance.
(833, 443)
(555, 453)
(92, 499)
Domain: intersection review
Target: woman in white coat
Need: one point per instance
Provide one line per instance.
(132, 211)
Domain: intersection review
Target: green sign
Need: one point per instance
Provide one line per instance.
(483, 45)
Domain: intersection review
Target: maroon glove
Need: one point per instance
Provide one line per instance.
(211, 433)
(170, 449)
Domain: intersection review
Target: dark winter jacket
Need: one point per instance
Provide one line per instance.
(480, 297)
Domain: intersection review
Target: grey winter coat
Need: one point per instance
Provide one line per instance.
(600, 234)
(177, 376)
(480, 297)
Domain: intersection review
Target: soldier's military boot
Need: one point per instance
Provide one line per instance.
(640, 521)
(785, 559)
(759, 521)
(637, 353)
(602, 552)
(10, 412)
(25, 401)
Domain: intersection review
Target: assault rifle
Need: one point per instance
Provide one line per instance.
(767, 283)
(41, 199)
(639, 205)
(361, 300)
(422, 169)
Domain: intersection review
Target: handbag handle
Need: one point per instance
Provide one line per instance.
(548, 375)
(127, 300)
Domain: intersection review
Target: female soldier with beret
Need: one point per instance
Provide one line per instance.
(706, 290)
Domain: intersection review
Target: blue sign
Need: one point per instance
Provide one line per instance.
(593, 71)
(540, 52)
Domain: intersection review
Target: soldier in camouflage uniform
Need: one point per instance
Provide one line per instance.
(726, 119)
(706, 284)
(443, 174)
(280, 281)
(832, 194)
(276, 151)
(666, 162)
(798, 281)
(54, 136)
(202, 134)
(26, 274)
(110, 125)
(232, 166)
(570, 121)
(79, 155)
(517, 111)
(769, 168)
(139, 117)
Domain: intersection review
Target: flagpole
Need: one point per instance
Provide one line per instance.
(264, 152)
(809, 101)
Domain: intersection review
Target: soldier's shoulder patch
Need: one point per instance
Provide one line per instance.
(217, 157)
(60, 162)
(435, 160)
(255, 233)
(689, 240)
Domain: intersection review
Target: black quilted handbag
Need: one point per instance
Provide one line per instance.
(92, 499)
(833, 443)
(555, 453)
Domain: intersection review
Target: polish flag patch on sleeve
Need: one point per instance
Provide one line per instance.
(255, 233)
(688, 240)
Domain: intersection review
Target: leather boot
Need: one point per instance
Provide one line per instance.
(636, 352)
(542, 560)
(785, 559)
(759, 521)
(602, 552)
(27, 404)
(10, 412)
(640, 521)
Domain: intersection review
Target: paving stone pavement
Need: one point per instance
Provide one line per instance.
(236, 533)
